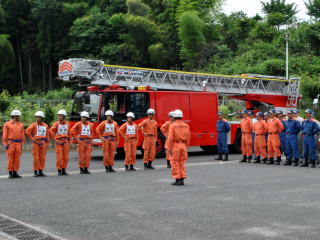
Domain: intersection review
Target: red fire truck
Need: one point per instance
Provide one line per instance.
(130, 89)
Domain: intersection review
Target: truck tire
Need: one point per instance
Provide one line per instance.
(120, 153)
(209, 149)
(236, 148)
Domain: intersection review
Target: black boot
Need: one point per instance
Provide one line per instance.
(168, 164)
(278, 160)
(41, 174)
(15, 175)
(258, 160)
(132, 168)
(181, 181)
(244, 159)
(107, 168)
(35, 173)
(86, 171)
(249, 159)
(219, 158)
(176, 183)
(59, 172)
(145, 165)
(111, 169)
(10, 174)
(295, 162)
(63, 172)
(271, 161)
(288, 162)
(150, 165)
(305, 163)
(264, 161)
(226, 157)
(81, 171)
(126, 167)
(312, 163)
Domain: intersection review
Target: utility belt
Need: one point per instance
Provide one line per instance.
(272, 133)
(86, 140)
(260, 134)
(246, 133)
(309, 134)
(40, 141)
(15, 140)
(180, 142)
(293, 134)
(223, 131)
(110, 138)
(64, 139)
(148, 135)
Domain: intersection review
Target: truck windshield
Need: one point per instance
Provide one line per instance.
(86, 101)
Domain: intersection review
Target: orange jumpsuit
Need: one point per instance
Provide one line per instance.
(13, 138)
(165, 131)
(83, 133)
(260, 128)
(60, 132)
(150, 132)
(130, 135)
(178, 140)
(246, 141)
(39, 133)
(109, 131)
(275, 127)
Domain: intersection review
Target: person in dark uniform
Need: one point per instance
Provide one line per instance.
(223, 128)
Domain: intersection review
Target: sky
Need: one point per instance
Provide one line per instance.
(251, 7)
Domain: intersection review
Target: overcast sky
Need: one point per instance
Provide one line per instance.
(251, 7)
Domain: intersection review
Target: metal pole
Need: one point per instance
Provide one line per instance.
(287, 55)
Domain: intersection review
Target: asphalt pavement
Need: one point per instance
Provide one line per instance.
(221, 200)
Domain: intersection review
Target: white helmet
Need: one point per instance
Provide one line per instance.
(84, 114)
(109, 113)
(151, 111)
(15, 113)
(39, 114)
(171, 114)
(130, 114)
(177, 114)
(62, 112)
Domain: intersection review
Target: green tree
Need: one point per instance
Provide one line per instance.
(137, 8)
(313, 7)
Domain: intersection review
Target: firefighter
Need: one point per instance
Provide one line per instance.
(165, 130)
(150, 132)
(12, 139)
(129, 131)
(108, 131)
(313, 117)
(254, 120)
(83, 132)
(282, 135)
(309, 129)
(260, 129)
(178, 140)
(223, 128)
(246, 141)
(38, 132)
(300, 137)
(275, 127)
(60, 132)
(293, 128)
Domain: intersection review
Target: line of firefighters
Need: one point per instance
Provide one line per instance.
(175, 130)
(272, 133)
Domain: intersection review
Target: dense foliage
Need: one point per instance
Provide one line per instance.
(173, 34)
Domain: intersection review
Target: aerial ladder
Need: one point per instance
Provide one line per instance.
(95, 72)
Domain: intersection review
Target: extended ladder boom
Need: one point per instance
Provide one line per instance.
(95, 72)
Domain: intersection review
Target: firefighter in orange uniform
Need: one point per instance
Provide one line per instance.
(12, 139)
(38, 132)
(60, 132)
(178, 140)
(165, 130)
(260, 129)
(83, 132)
(275, 127)
(246, 141)
(150, 132)
(129, 131)
(108, 131)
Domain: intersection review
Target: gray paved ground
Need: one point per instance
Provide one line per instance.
(220, 201)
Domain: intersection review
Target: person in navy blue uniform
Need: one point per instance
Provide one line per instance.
(282, 135)
(292, 129)
(309, 129)
(223, 128)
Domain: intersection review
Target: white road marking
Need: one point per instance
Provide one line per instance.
(263, 231)
(32, 227)
(123, 169)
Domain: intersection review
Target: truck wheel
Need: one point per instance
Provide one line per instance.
(209, 149)
(237, 143)
(120, 153)
(160, 150)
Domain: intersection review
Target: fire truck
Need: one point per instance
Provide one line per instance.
(125, 89)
